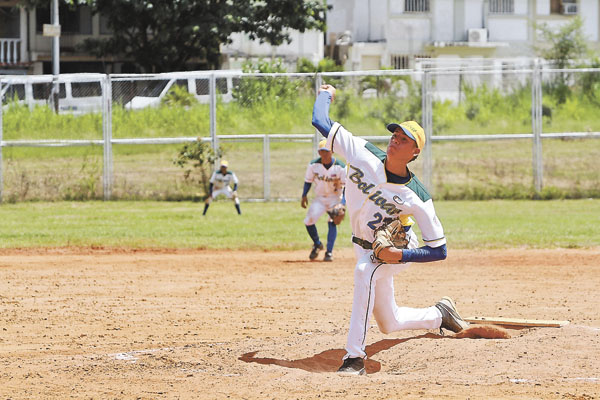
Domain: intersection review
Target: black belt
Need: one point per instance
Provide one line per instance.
(365, 244)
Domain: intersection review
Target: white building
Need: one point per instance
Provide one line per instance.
(309, 45)
(395, 33)
(362, 34)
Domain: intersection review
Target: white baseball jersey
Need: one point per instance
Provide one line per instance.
(221, 181)
(371, 199)
(326, 182)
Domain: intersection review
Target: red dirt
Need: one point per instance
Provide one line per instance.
(117, 323)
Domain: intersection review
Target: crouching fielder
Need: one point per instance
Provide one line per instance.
(220, 184)
(382, 192)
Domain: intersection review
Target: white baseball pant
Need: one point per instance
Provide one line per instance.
(318, 207)
(374, 296)
(225, 190)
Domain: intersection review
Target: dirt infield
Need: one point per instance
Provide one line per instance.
(254, 325)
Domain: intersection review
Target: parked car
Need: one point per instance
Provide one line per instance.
(77, 93)
(150, 91)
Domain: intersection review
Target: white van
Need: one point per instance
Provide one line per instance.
(150, 90)
(77, 93)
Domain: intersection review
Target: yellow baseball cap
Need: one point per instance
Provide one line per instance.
(323, 145)
(412, 129)
(224, 163)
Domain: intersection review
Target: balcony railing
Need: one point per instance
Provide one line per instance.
(10, 52)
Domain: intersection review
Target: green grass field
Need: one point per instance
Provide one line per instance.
(468, 224)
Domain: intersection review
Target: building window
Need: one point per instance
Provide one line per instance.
(416, 5)
(76, 20)
(502, 6)
(566, 7)
(403, 61)
(569, 7)
(400, 62)
(9, 22)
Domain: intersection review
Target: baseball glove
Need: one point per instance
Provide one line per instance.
(389, 235)
(337, 213)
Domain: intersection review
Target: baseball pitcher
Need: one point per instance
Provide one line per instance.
(328, 175)
(220, 184)
(384, 199)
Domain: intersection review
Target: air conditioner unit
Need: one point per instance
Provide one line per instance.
(477, 35)
(569, 8)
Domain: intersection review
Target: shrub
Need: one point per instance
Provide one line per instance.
(252, 91)
(201, 156)
(179, 96)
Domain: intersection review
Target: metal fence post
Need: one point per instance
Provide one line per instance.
(427, 121)
(212, 88)
(107, 178)
(266, 168)
(1, 143)
(536, 126)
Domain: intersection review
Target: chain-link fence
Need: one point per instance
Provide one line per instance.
(491, 132)
(51, 135)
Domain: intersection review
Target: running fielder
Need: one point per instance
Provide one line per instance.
(220, 183)
(382, 197)
(328, 175)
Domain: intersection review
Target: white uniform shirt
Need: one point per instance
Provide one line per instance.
(327, 182)
(221, 181)
(371, 199)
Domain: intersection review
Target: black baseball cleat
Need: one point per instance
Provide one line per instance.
(353, 366)
(315, 251)
(328, 256)
(451, 319)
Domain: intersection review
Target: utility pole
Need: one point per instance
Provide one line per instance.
(55, 39)
(53, 30)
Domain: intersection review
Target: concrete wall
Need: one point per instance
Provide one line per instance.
(408, 34)
(503, 29)
(307, 45)
(590, 11)
(443, 11)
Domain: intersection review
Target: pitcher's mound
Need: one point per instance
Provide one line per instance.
(483, 332)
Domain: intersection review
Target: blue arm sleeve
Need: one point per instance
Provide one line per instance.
(320, 117)
(344, 199)
(234, 187)
(424, 254)
(306, 188)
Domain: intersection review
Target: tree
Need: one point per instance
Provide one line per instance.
(198, 157)
(562, 46)
(160, 36)
(324, 65)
